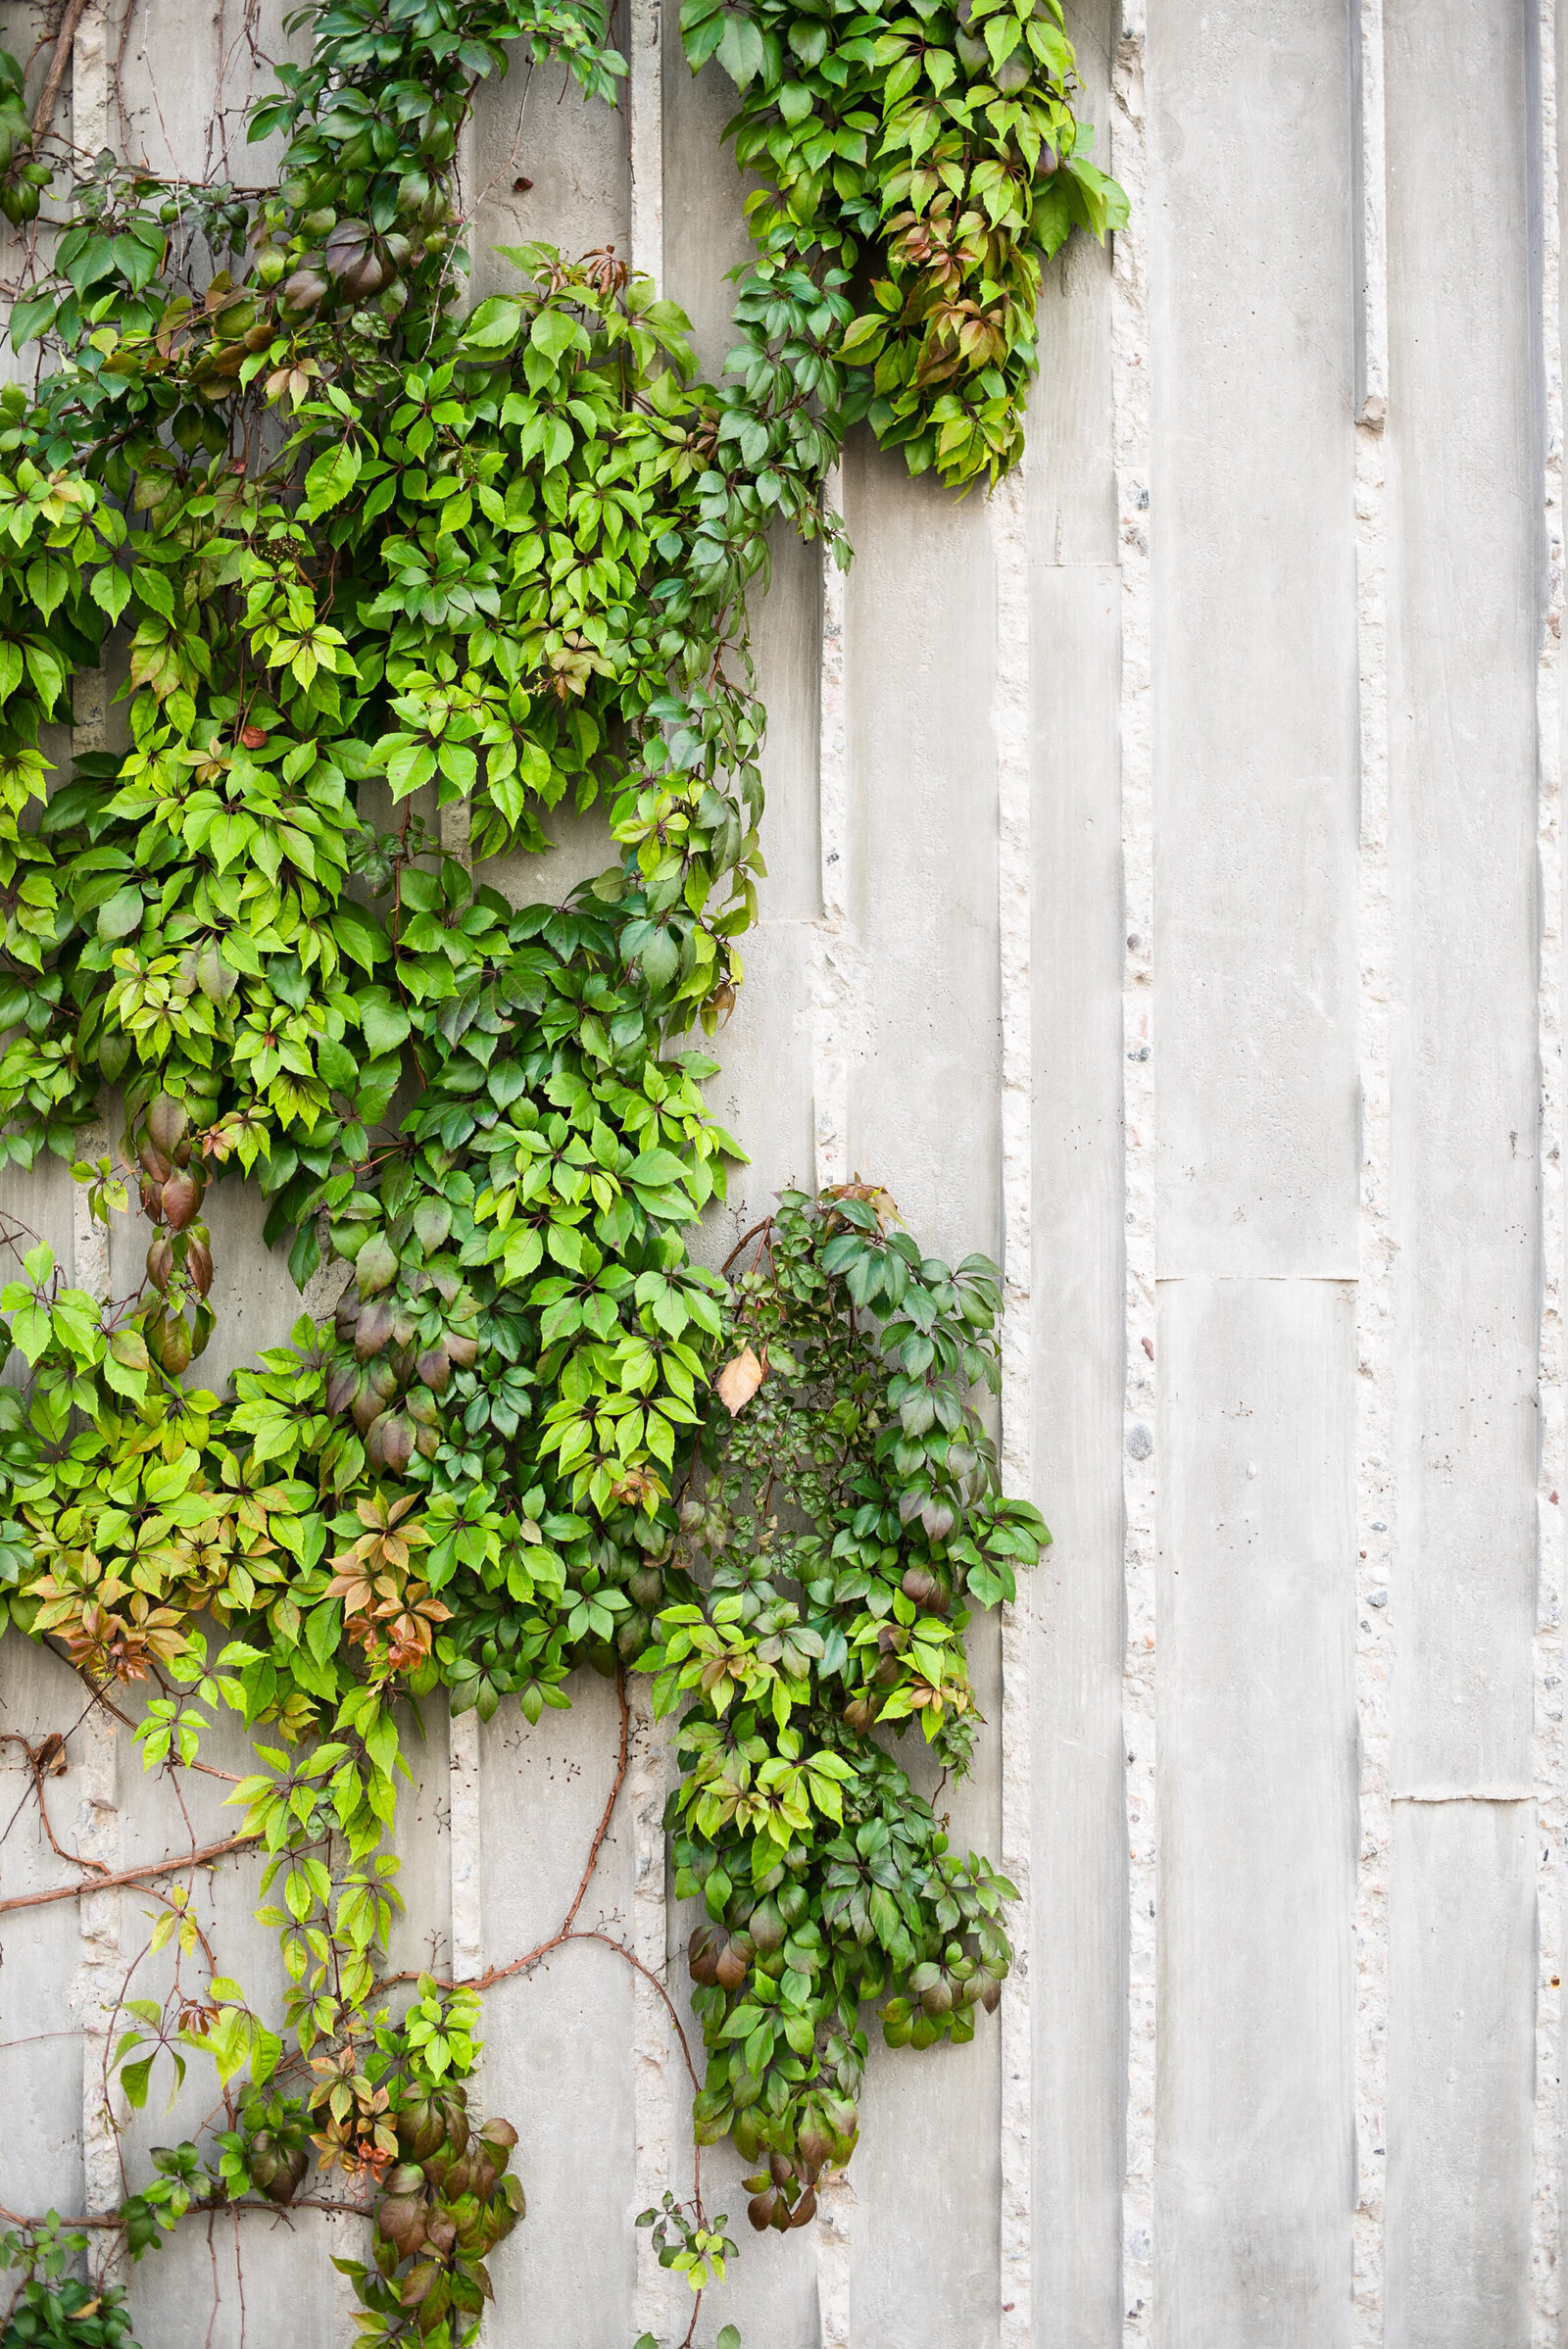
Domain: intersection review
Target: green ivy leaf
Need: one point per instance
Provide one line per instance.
(49, 581)
(110, 589)
(740, 49)
(494, 326)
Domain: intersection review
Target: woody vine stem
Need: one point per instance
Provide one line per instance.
(373, 571)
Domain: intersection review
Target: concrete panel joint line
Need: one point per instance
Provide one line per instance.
(1130, 353)
(1549, 1757)
(1376, 1295)
(1010, 724)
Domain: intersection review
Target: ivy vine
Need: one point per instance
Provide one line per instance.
(932, 151)
(388, 579)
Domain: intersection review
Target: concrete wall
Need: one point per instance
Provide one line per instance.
(1165, 895)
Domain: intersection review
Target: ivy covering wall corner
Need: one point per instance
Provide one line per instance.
(356, 545)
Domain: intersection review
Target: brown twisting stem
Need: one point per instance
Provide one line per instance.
(742, 1241)
(218, 2291)
(203, 1858)
(274, 2210)
(48, 96)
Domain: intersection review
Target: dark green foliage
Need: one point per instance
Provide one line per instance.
(844, 1513)
(51, 2309)
(932, 151)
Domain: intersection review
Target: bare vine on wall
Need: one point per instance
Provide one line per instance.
(364, 546)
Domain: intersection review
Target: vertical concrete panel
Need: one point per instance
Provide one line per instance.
(1077, 1963)
(926, 2175)
(761, 1094)
(1462, 579)
(924, 1119)
(764, 1093)
(920, 634)
(1077, 1966)
(1255, 638)
(927, 2179)
(1461, 2048)
(705, 224)
(536, 126)
(40, 2051)
(422, 1935)
(1463, 534)
(1071, 477)
(1560, 98)
(784, 611)
(1257, 1739)
(1255, 840)
(185, 80)
(1072, 487)
(557, 2057)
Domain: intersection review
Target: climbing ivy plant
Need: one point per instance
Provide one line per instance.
(931, 156)
(387, 578)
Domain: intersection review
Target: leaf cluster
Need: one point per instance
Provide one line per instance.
(843, 1514)
(386, 2106)
(932, 151)
(50, 2308)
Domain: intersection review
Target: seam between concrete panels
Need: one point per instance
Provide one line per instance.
(836, 1010)
(1131, 426)
(1010, 725)
(645, 100)
(467, 1887)
(1376, 1294)
(839, 990)
(1495, 1794)
(98, 1825)
(653, 2099)
(463, 1730)
(652, 2095)
(1548, 1759)
(1334, 1280)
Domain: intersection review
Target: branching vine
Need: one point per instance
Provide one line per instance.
(370, 567)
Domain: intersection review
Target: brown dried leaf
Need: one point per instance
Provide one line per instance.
(737, 1381)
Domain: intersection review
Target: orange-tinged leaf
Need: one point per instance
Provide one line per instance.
(739, 1381)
